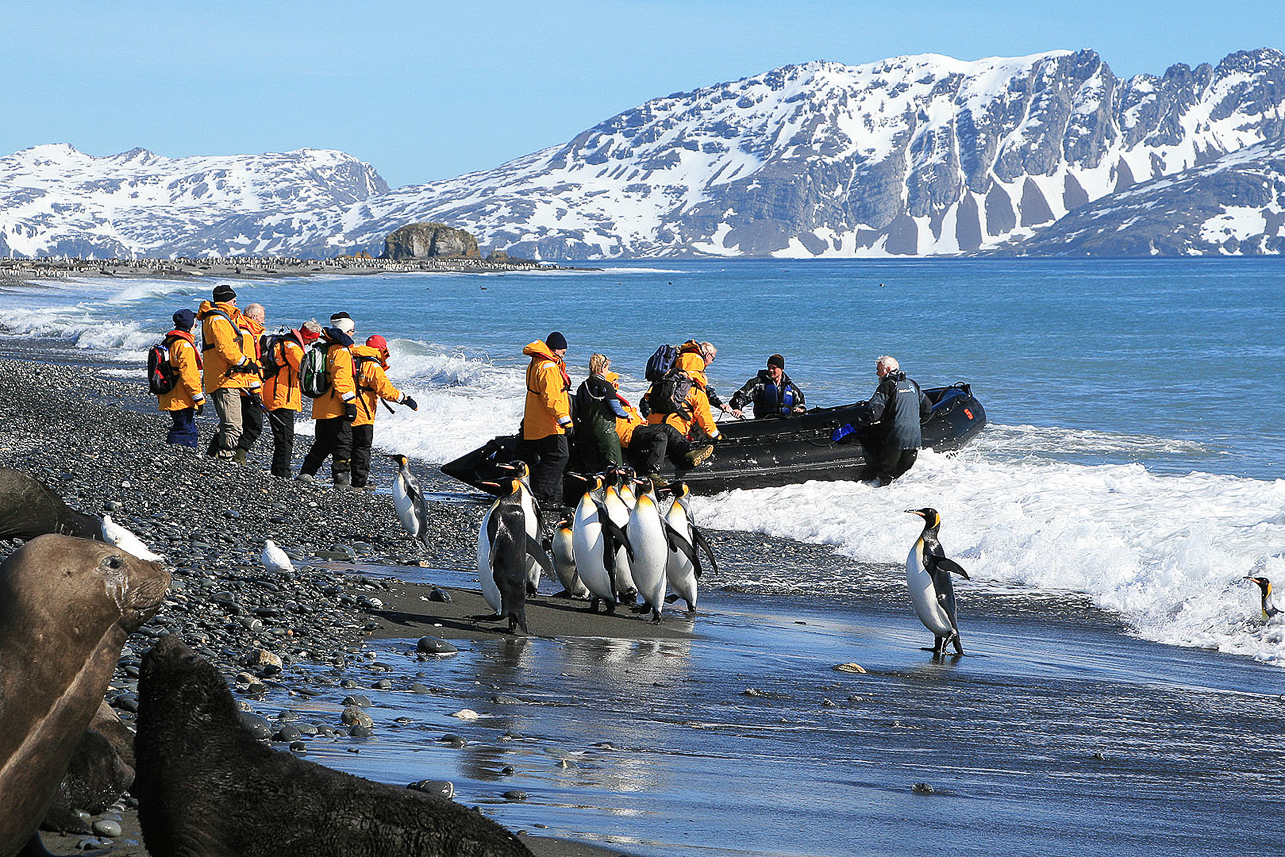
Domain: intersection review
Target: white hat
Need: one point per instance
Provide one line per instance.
(346, 325)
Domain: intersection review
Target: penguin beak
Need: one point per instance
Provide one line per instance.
(915, 512)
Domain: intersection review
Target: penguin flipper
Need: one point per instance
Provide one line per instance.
(678, 542)
(492, 527)
(618, 536)
(951, 566)
(536, 551)
(699, 538)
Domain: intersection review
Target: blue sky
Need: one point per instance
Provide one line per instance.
(428, 90)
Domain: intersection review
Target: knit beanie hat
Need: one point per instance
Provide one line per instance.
(223, 293)
(345, 324)
(778, 361)
(184, 319)
(556, 341)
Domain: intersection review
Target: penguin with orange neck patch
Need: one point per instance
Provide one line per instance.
(928, 572)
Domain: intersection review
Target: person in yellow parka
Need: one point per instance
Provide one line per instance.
(185, 399)
(334, 410)
(625, 425)
(250, 323)
(546, 420)
(282, 395)
(371, 361)
(228, 368)
(696, 421)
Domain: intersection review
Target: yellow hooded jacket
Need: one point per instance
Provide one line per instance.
(691, 362)
(223, 348)
(343, 388)
(185, 359)
(282, 389)
(372, 384)
(548, 399)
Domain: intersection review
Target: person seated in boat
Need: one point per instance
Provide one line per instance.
(889, 427)
(597, 408)
(680, 425)
(771, 392)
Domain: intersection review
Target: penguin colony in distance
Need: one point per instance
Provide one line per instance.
(928, 573)
(412, 508)
(1270, 606)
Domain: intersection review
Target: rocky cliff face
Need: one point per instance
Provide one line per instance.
(910, 156)
(430, 240)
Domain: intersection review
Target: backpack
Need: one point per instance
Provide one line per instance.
(268, 348)
(659, 364)
(669, 394)
(161, 374)
(313, 379)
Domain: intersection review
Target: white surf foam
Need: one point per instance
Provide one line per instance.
(1166, 553)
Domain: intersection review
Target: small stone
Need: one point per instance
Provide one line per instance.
(466, 714)
(514, 794)
(441, 788)
(922, 789)
(258, 726)
(452, 740)
(361, 731)
(358, 699)
(354, 716)
(434, 646)
(439, 595)
(849, 668)
(417, 687)
(107, 827)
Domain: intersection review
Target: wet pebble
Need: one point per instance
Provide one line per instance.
(515, 795)
(923, 789)
(258, 726)
(435, 646)
(441, 788)
(107, 827)
(354, 716)
(452, 740)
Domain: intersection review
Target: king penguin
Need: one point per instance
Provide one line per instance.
(928, 576)
(510, 547)
(594, 540)
(683, 566)
(651, 550)
(564, 561)
(412, 508)
(618, 511)
(1270, 607)
(534, 522)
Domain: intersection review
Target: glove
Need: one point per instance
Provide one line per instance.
(570, 429)
(844, 434)
(200, 406)
(256, 399)
(410, 403)
(350, 411)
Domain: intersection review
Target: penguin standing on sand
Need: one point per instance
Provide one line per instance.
(618, 511)
(485, 573)
(564, 561)
(1270, 607)
(412, 508)
(928, 573)
(595, 539)
(510, 548)
(651, 551)
(683, 566)
(534, 523)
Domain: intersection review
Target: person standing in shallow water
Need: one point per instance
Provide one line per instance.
(185, 399)
(892, 434)
(598, 407)
(546, 421)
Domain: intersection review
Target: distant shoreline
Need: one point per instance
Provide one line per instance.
(257, 267)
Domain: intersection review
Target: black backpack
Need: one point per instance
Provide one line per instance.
(161, 374)
(313, 378)
(271, 349)
(669, 394)
(661, 362)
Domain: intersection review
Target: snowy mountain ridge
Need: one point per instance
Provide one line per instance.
(916, 155)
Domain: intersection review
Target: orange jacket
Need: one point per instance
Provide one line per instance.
(251, 330)
(343, 388)
(548, 399)
(691, 362)
(186, 361)
(625, 427)
(372, 384)
(282, 389)
(223, 348)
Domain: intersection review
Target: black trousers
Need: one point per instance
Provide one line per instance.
(251, 424)
(652, 443)
(548, 459)
(886, 461)
(334, 437)
(281, 421)
(363, 437)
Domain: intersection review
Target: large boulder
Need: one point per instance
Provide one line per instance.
(430, 240)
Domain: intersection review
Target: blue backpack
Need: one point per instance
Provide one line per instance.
(659, 364)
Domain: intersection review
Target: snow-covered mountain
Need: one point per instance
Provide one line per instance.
(908, 156)
(55, 200)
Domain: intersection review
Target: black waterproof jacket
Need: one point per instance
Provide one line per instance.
(899, 406)
(765, 395)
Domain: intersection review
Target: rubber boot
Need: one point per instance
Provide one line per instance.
(238, 456)
(342, 478)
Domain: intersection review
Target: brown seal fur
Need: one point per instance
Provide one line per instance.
(207, 788)
(67, 606)
(29, 508)
(100, 771)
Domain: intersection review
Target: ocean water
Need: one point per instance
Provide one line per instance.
(1134, 453)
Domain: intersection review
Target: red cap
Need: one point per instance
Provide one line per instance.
(377, 341)
(308, 336)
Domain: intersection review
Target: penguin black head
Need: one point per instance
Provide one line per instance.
(932, 520)
(399, 458)
(1263, 583)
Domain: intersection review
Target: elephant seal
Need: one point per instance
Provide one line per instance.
(67, 606)
(100, 771)
(207, 788)
(29, 508)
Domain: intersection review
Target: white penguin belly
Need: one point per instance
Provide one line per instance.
(678, 568)
(586, 543)
(405, 508)
(619, 513)
(923, 595)
(485, 575)
(647, 535)
(564, 563)
(533, 530)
